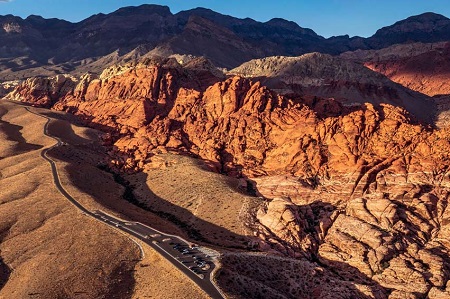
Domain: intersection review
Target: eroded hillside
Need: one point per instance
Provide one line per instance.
(420, 67)
(357, 193)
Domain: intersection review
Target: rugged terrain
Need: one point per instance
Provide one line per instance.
(357, 195)
(421, 67)
(325, 76)
(46, 47)
(314, 176)
(47, 248)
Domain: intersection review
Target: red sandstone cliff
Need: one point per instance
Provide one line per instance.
(363, 186)
(325, 76)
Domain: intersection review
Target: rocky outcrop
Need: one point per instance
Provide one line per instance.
(7, 87)
(362, 190)
(385, 218)
(238, 124)
(402, 244)
(44, 92)
(331, 77)
(420, 67)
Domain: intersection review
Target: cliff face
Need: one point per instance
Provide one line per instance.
(332, 77)
(238, 124)
(43, 92)
(359, 187)
(421, 67)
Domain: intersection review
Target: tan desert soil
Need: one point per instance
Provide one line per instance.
(278, 277)
(213, 208)
(51, 250)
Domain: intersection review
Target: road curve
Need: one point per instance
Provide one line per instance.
(160, 242)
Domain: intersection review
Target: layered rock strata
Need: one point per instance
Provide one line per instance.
(421, 67)
(361, 190)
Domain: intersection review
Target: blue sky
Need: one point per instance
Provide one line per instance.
(325, 17)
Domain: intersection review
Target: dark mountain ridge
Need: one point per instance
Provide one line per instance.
(64, 47)
(426, 28)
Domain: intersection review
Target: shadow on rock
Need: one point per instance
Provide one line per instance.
(295, 268)
(5, 271)
(61, 123)
(244, 274)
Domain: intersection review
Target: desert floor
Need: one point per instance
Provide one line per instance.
(48, 249)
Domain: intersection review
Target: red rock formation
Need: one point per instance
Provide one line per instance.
(360, 188)
(325, 76)
(421, 67)
(43, 91)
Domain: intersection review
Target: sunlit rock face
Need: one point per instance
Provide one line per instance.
(362, 190)
(12, 28)
(421, 67)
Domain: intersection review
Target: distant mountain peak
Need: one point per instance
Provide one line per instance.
(283, 23)
(424, 22)
(427, 16)
(202, 9)
(227, 41)
(35, 17)
(428, 27)
(221, 19)
(144, 9)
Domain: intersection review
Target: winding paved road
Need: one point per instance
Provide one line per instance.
(193, 262)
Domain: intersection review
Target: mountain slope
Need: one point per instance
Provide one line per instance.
(35, 46)
(421, 67)
(50, 42)
(356, 200)
(426, 28)
(326, 76)
(222, 46)
(274, 37)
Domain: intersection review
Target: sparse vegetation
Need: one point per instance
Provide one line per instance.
(129, 196)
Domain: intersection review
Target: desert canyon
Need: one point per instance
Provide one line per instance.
(314, 167)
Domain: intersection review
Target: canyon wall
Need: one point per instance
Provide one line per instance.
(362, 190)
